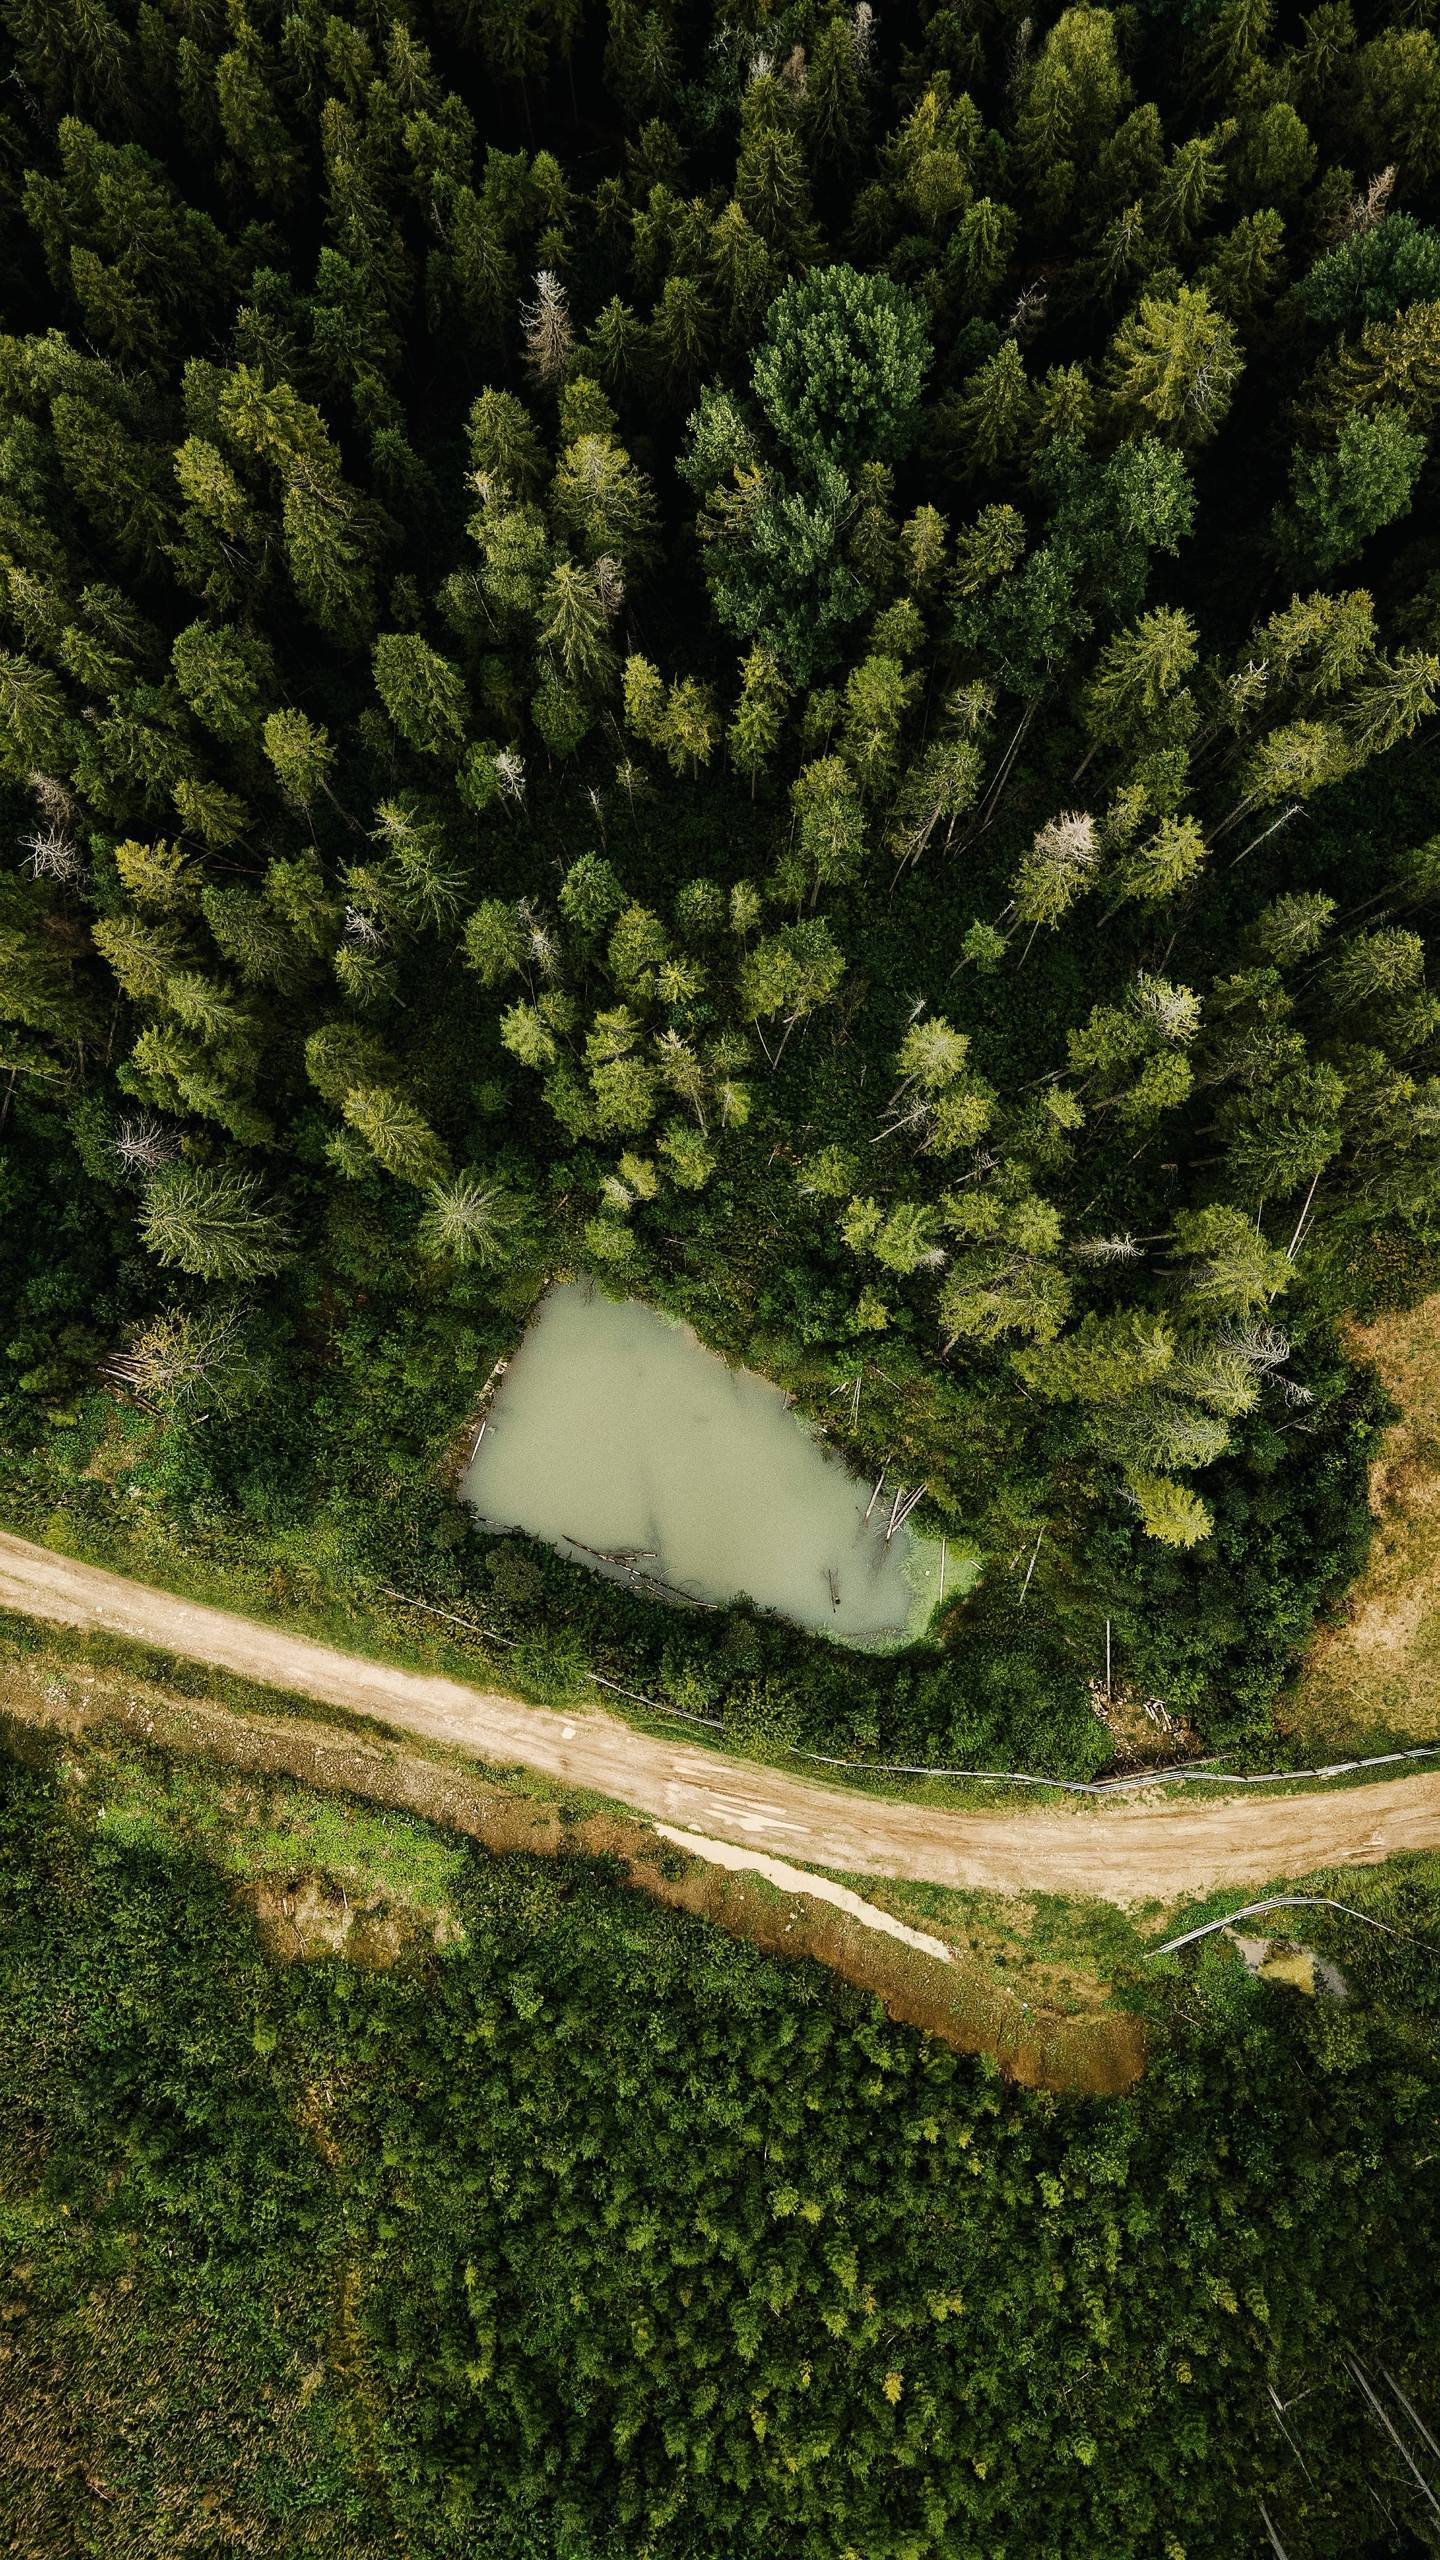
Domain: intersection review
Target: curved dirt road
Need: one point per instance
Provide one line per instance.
(1134, 1852)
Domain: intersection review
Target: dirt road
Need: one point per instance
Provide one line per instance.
(1124, 1853)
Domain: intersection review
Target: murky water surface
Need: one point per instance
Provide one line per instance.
(618, 1438)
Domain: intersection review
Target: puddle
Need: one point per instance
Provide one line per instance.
(1273, 1960)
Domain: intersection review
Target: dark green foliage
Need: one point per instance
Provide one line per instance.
(600, 2232)
(804, 691)
(1341, 498)
(1373, 274)
(841, 367)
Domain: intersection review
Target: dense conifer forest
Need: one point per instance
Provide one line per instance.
(787, 654)
(782, 653)
(598, 2237)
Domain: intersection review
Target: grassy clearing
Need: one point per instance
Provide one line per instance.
(1051, 1949)
(1374, 1678)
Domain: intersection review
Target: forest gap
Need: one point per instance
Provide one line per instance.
(618, 1438)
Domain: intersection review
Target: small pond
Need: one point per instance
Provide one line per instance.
(618, 1438)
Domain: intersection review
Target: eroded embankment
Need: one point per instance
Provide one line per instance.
(1099, 2052)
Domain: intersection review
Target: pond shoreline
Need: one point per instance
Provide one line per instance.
(617, 1437)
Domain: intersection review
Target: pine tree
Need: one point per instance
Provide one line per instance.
(692, 725)
(1284, 1132)
(937, 789)
(1291, 927)
(771, 185)
(573, 627)
(37, 731)
(614, 345)
(982, 247)
(210, 1011)
(398, 1136)
(504, 446)
(1061, 864)
(1132, 699)
(1395, 364)
(1390, 703)
(469, 1220)
(604, 504)
(301, 753)
(987, 550)
(827, 843)
(245, 91)
(212, 1221)
(878, 694)
(329, 553)
(1166, 863)
(754, 731)
(248, 931)
(42, 992)
(1169, 1511)
(1174, 364)
(1226, 1266)
(422, 692)
(680, 335)
(743, 276)
(549, 336)
(833, 101)
(922, 548)
(638, 947)
(987, 422)
(493, 942)
(1075, 94)
(225, 676)
(141, 955)
(123, 484)
(418, 879)
(791, 973)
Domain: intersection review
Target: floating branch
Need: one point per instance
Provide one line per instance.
(670, 1591)
(626, 1557)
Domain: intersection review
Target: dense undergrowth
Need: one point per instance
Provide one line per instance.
(597, 2233)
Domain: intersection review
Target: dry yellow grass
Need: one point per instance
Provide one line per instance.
(1378, 1669)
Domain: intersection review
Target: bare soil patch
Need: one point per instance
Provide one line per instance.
(1378, 1669)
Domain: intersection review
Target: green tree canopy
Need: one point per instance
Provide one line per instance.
(841, 368)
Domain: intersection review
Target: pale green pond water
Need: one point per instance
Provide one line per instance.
(618, 1438)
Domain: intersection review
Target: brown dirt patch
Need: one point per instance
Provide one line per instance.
(305, 1916)
(1379, 1668)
